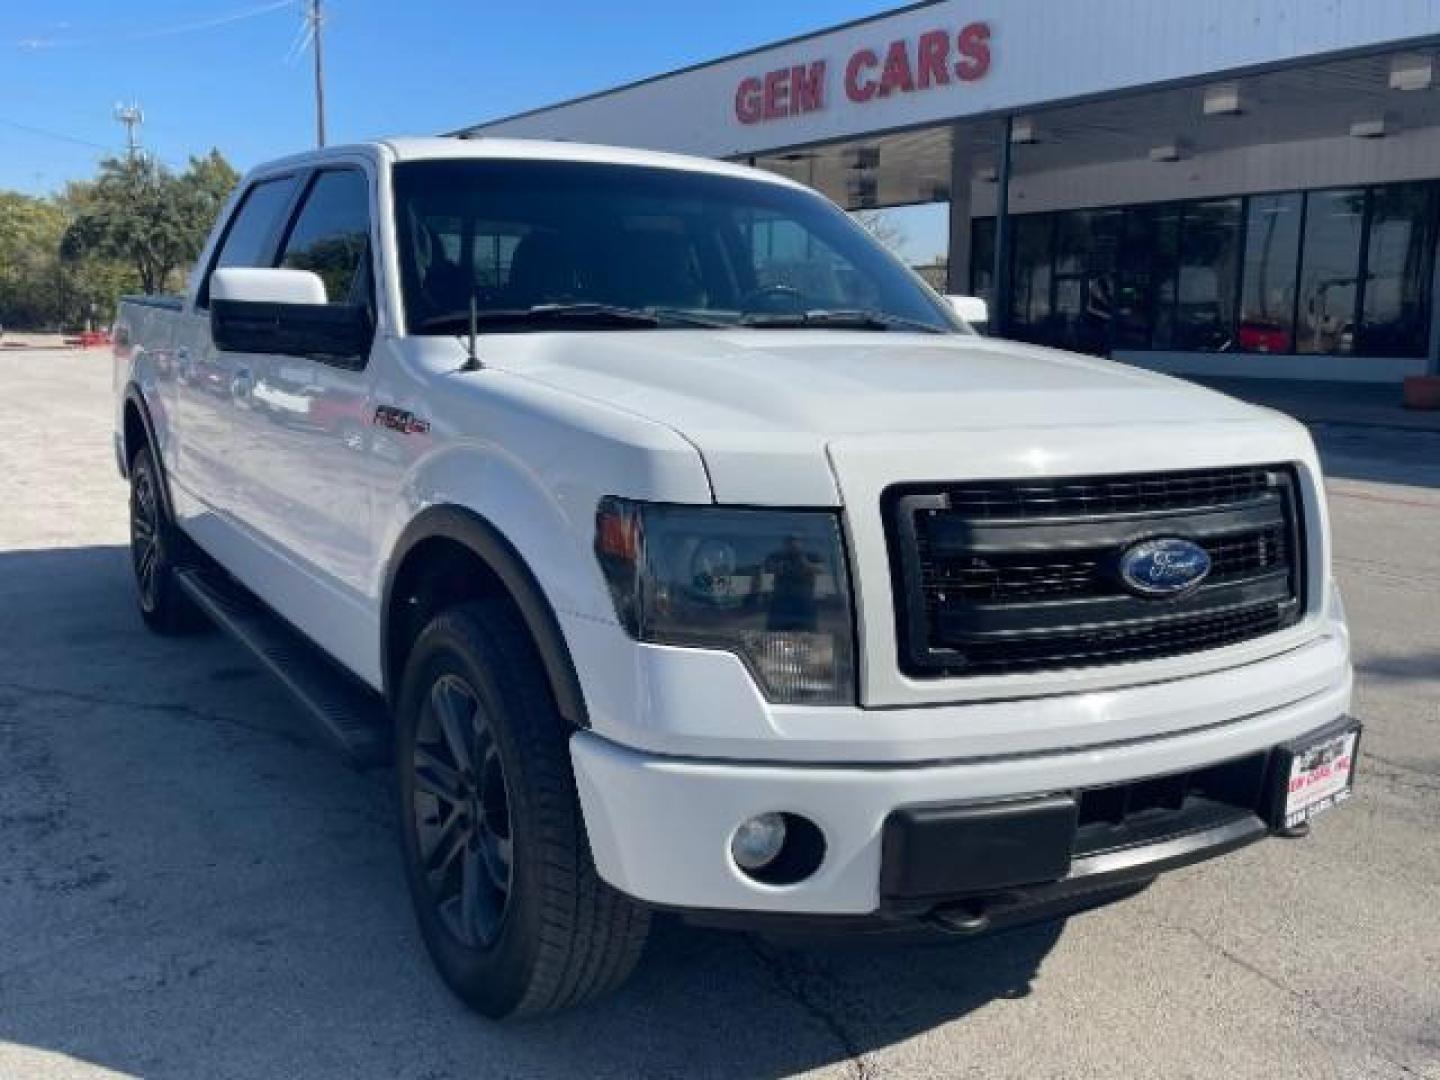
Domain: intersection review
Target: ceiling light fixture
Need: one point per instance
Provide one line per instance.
(1377, 128)
(1412, 71)
(1223, 99)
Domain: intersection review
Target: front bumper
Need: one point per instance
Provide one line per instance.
(660, 827)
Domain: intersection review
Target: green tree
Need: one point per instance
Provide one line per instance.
(141, 213)
(30, 234)
(884, 228)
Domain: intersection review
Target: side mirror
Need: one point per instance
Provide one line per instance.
(972, 310)
(267, 285)
(284, 312)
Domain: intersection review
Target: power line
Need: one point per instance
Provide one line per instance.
(58, 135)
(61, 41)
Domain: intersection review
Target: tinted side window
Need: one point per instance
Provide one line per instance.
(330, 235)
(256, 223)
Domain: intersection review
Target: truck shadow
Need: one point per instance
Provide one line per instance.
(193, 886)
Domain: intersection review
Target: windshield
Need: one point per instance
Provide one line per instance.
(557, 245)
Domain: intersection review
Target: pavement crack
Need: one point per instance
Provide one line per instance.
(799, 985)
(1398, 773)
(165, 708)
(1300, 997)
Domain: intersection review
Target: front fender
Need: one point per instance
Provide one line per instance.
(535, 464)
(485, 541)
(516, 470)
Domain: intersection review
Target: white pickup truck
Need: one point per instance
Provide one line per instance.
(685, 552)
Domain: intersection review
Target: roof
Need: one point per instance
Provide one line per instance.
(429, 148)
(449, 148)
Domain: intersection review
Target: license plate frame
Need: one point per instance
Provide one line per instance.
(1314, 774)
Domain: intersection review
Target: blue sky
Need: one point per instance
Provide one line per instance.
(226, 72)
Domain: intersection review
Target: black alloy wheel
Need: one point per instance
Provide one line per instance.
(461, 807)
(145, 551)
(496, 857)
(154, 546)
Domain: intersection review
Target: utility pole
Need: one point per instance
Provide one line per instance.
(316, 21)
(132, 116)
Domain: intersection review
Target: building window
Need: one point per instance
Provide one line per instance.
(1344, 272)
(1164, 275)
(1086, 242)
(1330, 271)
(1208, 276)
(1141, 263)
(1272, 263)
(1399, 256)
(1032, 273)
(982, 259)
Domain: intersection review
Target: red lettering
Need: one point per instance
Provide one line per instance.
(748, 104)
(897, 74)
(777, 94)
(934, 56)
(974, 43)
(857, 90)
(807, 88)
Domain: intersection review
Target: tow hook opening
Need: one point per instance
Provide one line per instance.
(965, 918)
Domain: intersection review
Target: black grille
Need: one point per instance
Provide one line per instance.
(1144, 493)
(1000, 577)
(1161, 808)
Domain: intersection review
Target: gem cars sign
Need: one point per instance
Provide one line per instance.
(928, 61)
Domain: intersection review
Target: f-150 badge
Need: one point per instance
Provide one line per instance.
(401, 420)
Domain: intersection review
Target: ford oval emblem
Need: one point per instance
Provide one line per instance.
(1167, 566)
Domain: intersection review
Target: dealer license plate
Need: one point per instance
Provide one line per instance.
(1320, 777)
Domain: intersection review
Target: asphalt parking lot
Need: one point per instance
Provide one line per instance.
(191, 886)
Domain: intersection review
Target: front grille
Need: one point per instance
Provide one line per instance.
(1010, 576)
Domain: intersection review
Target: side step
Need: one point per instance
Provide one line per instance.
(352, 716)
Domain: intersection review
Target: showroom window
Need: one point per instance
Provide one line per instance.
(1336, 272)
(982, 260)
(1330, 271)
(1085, 246)
(1033, 268)
(1396, 309)
(1272, 261)
(1139, 264)
(1209, 277)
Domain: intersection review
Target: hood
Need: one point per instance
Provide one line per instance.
(763, 407)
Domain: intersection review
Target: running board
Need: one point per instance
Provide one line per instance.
(352, 716)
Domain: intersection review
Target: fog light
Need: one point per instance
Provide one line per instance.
(758, 841)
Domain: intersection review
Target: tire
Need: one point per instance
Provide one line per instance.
(156, 547)
(499, 868)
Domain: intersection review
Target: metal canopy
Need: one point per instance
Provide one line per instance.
(1285, 105)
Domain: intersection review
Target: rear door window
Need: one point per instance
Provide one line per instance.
(255, 228)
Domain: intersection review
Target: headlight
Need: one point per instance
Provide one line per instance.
(768, 585)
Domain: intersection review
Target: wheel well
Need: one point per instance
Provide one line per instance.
(437, 573)
(135, 435)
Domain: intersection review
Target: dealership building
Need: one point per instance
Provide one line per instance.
(1232, 187)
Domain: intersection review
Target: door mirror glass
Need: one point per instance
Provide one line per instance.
(972, 309)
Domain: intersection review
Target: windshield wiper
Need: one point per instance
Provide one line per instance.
(836, 319)
(589, 315)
